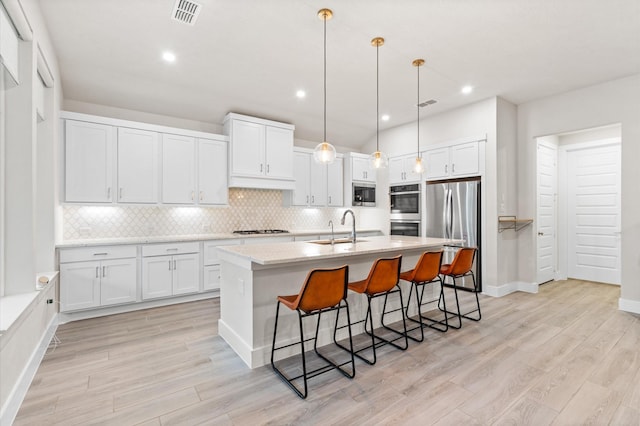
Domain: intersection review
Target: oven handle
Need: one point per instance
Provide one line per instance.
(404, 221)
(404, 193)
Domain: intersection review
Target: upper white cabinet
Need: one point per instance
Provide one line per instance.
(401, 170)
(261, 152)
(316, 185)
(178, 169)
(8, 45)
(137, 166)
(212, 172)
(360, 170)
(89, 162)
(109, 160)
(457, 160)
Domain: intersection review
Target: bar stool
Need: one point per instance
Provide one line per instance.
(426, 272)
(324, 290)
(383, 278)
(459, 268)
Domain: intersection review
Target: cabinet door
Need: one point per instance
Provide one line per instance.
(88, 162)
(396, 170)
(157, 273)
(279, 152)
(247, 148)
(178, 169)
(212, 172)
(335, 182)
(464, 159)
(119, 281)
(436, 163)
(409, 174)
(137, 166)
(186, 275)
(79, 285)
(301, 174)
(212, 277)
(361, 171)
(318, 187)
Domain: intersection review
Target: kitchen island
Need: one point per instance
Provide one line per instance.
(252, 276)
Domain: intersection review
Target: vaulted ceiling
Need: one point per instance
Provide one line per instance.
(251, 56)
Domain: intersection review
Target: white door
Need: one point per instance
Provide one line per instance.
(79, 285)
(211, 277)
(212, 172)
(137, 166)
(118, 281)
(178, 169)
(279, 152)
(157, 273)
(247, 148)
(360, 170)
(301, 175)
(593, 185)
(318, 187)
(547, 210)
(186, 276)
(465, 159)
(436, 163)
(409, 174)
(335, 183)
(88, 162)
(396, 170)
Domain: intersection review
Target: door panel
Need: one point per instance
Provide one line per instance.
(79, 285)
(186, 276)
(212, 172)
(156, 276)
(178, 169)
(436, 220)
(594, 213)
(546, 220)
(118, 281)
(137, 166)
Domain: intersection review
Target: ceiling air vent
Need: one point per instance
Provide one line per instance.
(427, 103)
(186, 11)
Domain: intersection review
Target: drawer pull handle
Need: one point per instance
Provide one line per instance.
(104, 271)
(172, 249)
(97, 272)
(100, 254)
(169, 265)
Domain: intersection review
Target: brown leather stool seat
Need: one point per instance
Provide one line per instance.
(457, 270)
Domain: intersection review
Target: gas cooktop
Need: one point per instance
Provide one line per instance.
(261, 231)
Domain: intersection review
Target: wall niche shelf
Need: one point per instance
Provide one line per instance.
(512, 222)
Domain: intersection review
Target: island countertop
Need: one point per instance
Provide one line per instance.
(281, 253)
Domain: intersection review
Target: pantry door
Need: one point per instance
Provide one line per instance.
(546, 220)
(593, 191)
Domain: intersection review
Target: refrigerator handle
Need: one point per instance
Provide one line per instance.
(450, 216)
(445, 214)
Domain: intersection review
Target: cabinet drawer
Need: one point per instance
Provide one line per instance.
(165, 249)
(82, 254)
(211, 253)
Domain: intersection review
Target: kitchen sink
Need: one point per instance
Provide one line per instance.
(336, 241)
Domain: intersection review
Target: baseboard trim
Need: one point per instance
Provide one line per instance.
(508, 288)
(14, 401)
(628, 305)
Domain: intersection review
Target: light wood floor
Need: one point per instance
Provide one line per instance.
(563, 356)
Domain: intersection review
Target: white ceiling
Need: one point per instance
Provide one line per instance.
(250, 56)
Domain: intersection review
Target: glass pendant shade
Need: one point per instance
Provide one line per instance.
(378, 160)
(418, 167)
(324, 153)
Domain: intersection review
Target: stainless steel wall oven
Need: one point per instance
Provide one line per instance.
(405, 209)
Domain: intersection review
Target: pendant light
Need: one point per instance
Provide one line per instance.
(378, 160)
(325, 153)
(418, 167)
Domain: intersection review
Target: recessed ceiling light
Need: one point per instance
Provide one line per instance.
(301, 94)
(385, 117)
(466, 90)
(168, 56)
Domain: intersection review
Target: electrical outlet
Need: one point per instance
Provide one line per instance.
(49, 301)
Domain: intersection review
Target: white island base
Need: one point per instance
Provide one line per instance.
(252, 276)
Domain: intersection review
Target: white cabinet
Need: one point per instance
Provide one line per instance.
(89, 162)
(458, 160)
(137, 166)
(212, 172)
(401, 170)
(170, 269)
(316, 185)
(261, 152)
(211, 276)
(178, 169)
(360, 170)
(335, 183)
(8, 45)
(86, 282)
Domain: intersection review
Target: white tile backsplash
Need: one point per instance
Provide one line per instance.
(248, 209)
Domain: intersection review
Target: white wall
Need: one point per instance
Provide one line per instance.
(616, 101)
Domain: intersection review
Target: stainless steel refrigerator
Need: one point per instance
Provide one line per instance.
(453, 211)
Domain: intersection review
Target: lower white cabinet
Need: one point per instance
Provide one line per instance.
(211, 269)
(88, 283)
(165, 275)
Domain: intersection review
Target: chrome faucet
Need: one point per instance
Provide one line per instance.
(353, 231)
(333, 240)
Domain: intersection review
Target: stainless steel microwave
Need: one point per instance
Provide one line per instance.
(364, 195)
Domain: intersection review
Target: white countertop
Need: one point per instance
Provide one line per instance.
(301, 251)
(198, 237)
